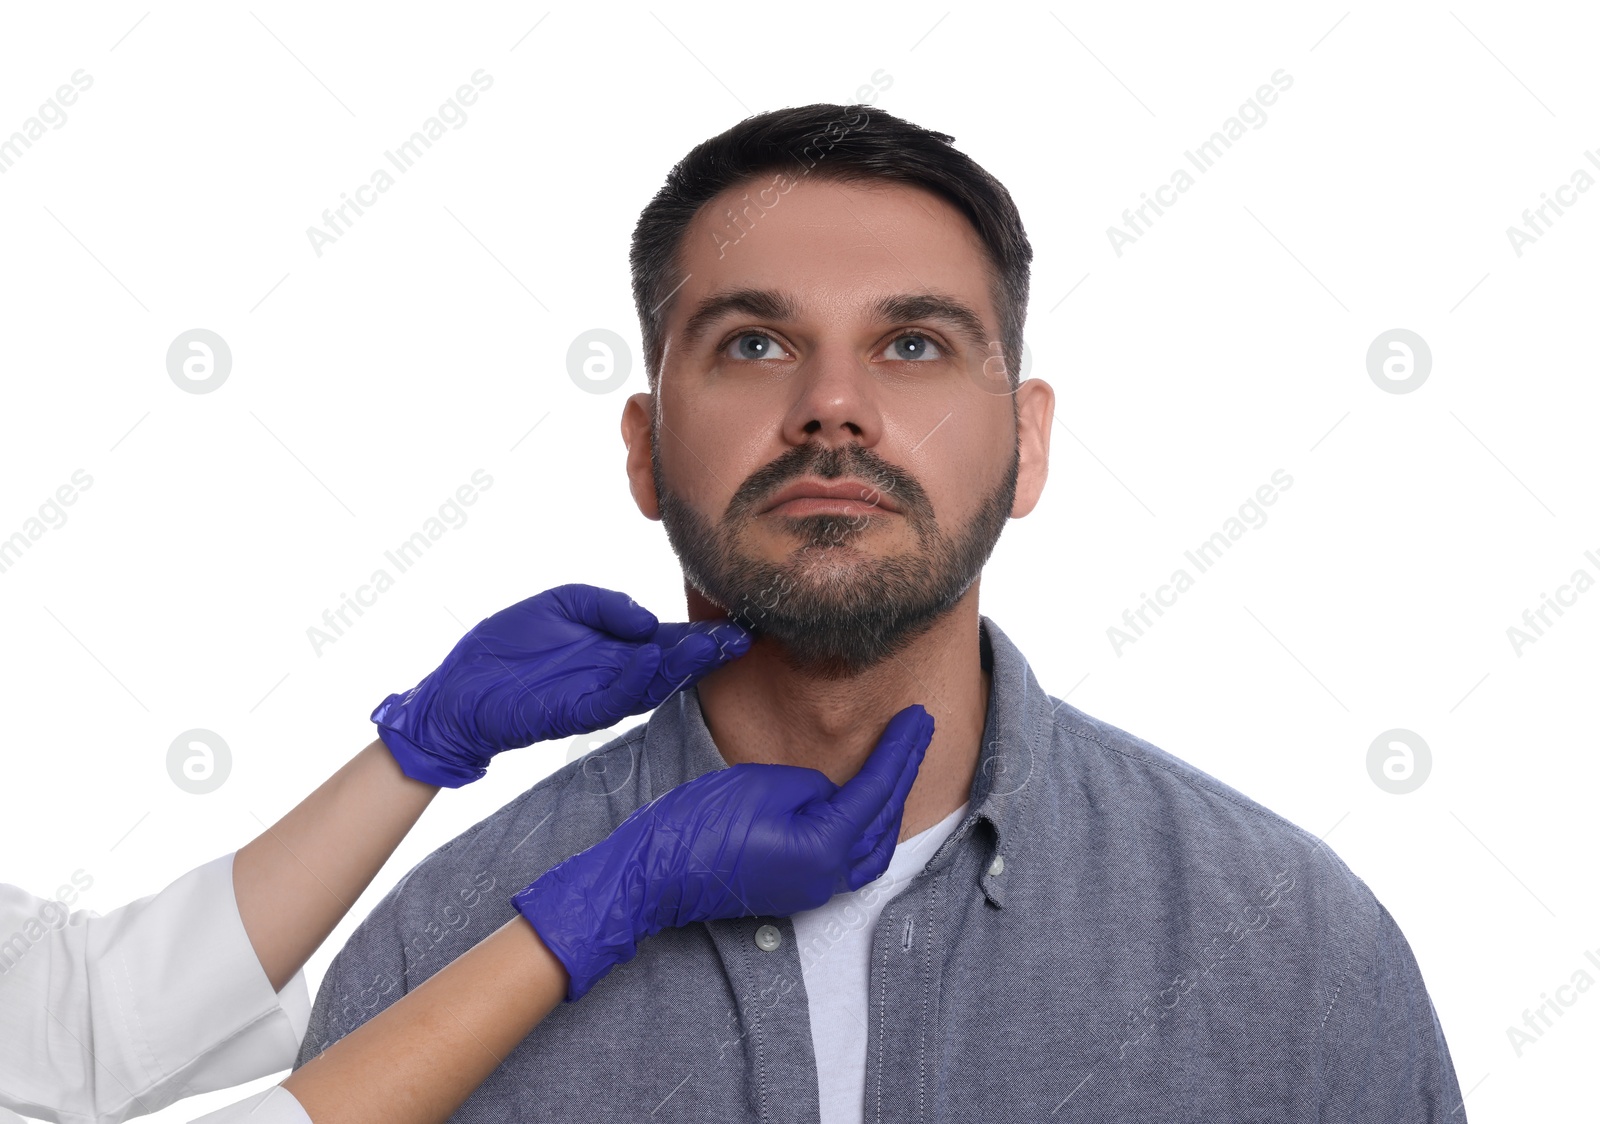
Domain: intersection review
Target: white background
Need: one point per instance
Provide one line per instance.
(1229, 341)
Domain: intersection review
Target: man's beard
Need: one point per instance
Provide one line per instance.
(834, 608)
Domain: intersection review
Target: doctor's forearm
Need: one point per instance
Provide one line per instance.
(418, 1059)
(295, 881)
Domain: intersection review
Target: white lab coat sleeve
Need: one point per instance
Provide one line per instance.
(270, 1106)
(107, 1018)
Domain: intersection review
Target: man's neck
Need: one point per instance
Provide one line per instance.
(759, 709)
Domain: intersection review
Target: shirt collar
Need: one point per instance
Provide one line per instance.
(1016, 742)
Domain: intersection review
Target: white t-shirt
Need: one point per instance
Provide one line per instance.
(835, 942)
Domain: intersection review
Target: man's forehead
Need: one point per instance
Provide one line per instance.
(878, 251)
(897, 219)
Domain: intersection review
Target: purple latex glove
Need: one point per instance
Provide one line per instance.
(570, 660)
(746, 840)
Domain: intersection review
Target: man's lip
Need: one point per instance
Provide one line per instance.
(854, 490)
(801, 506)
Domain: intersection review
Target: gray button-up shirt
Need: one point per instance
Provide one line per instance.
(1110, 934)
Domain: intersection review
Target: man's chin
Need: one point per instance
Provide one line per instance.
(829, 668)
(790, 549)
(840, 640)
(832, 656)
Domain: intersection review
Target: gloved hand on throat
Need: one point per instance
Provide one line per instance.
(570, 660)
(745, 840)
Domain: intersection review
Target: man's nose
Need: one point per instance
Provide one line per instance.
(835, 399)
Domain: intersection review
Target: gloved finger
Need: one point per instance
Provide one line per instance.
(876, 861)
(605, 610)
(695, 655)
(860, 799)
(682, 664)
(625, 695)
(728, 633)
(701, 647)
(888, 820)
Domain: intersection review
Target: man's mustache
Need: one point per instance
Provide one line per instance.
(829, 464)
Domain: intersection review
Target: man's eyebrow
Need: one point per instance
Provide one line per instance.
(772, 305)
(763, 304)
(935, 306)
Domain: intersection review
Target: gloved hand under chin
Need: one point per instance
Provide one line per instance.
(570, 660)
(745, 840)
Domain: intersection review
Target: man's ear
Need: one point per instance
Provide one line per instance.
(1036, 406)
(636, 415)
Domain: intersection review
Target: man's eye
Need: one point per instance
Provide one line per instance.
(753, 345)
(913, 347)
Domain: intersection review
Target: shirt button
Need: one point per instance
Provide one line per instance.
(998, 865)
(768, 938)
